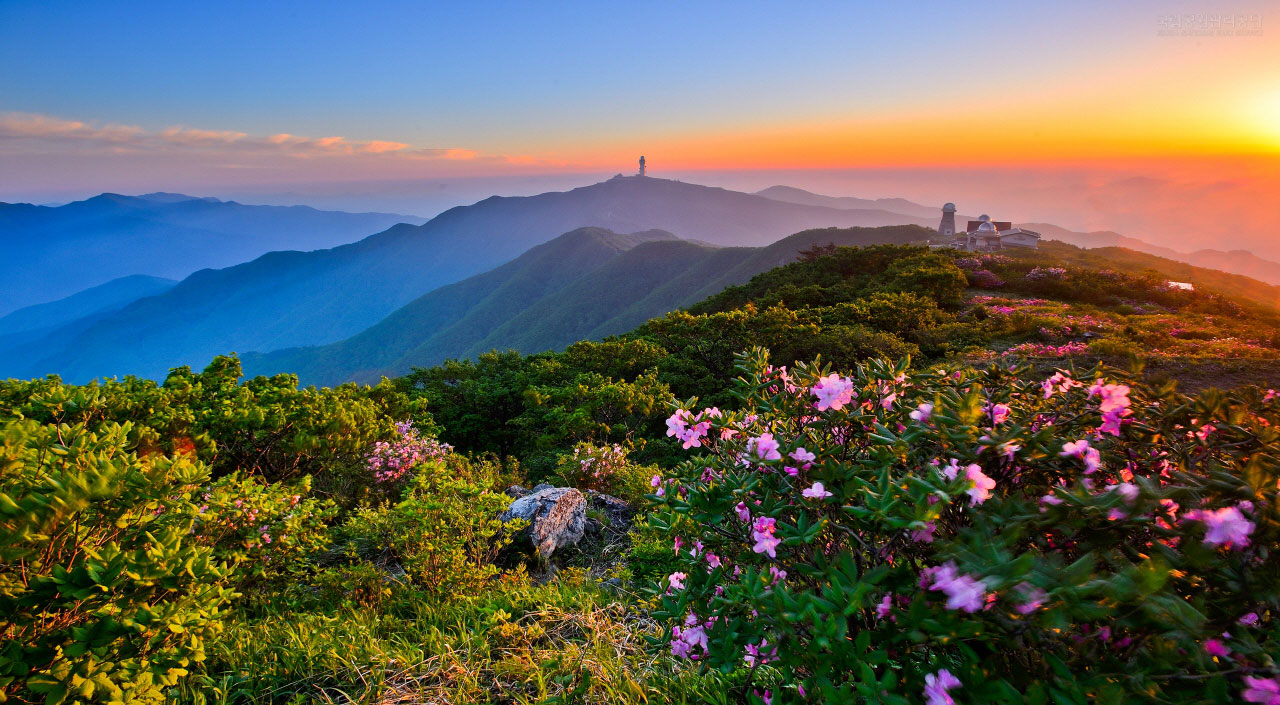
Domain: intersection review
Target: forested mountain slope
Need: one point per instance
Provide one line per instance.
(585, 284)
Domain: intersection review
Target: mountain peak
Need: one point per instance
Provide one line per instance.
(167, 197)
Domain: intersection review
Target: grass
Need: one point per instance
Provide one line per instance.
(564, 641)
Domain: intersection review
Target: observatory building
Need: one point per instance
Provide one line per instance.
(983, 234)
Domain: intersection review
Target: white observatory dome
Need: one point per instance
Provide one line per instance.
(949, 208)
(985, 218)
(986, 227)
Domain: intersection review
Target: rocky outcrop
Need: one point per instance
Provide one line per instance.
(617, 512)
(557, 517)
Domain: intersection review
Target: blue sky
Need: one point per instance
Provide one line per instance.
(1032, 108)
(529, 77)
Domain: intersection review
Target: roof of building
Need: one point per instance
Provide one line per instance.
(1000, 225)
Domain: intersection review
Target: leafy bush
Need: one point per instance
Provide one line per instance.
(892, 536)
(104, 596)
(606, 469)
(270, 531)
(443, 535)
(263, 426)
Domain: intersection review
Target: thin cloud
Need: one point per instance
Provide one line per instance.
(30, 132)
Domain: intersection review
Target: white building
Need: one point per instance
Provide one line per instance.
(983, 234)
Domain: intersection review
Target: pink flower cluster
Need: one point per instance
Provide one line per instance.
(1081, 449)
(1045, 350)
(392, 460)
(1040, 273)
(1114, 405)
(833, 392)
(763, 534)
(1059, 382)
(1224, 527)
(1262, 690)
(601, 463)
(964, 592)
(936, 686)
(980, 489)
(763, 447)
(693, 635)
(691, 429)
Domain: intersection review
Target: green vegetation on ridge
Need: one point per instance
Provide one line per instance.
(212, 539)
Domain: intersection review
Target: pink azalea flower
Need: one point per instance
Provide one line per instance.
(816, 492)
(760, 654)
(833, 392)
(952, 469)
(888, 401)
(1127, 490)
(776, 575)
(1225, 527)
(764, 447)
(1081, 449)
(963, 591)
(800, 455)
(922, 413)
(1059, 382)
(924, 535)
(1262, 690)
(744, 514)
(1249, 619)
(1271, 394)
(676, 581)
(1215, 647)
(766, 542)
(1033, 598)
(936, 686)
(999, 412)
(678, 543)
(679, 647)
(982, 485)
(885, 607)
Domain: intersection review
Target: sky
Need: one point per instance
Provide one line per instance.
(1093, 115)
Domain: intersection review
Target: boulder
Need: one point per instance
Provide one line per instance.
(557, 517)
(618, 512)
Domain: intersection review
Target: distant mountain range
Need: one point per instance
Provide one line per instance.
(1240, 262)
(585, 284)
(322, 312)
(53, 252)
(791, 194)
(292, 299)
(1235, 261)
(113, 295)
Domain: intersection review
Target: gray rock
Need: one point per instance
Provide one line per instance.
(542, 486)
(557, 517)
(516, 492)
(618, 512)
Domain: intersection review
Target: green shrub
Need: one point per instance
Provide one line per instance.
(606, 469)
(270, 531)
(104, 596)
(888, 536)
(444, 534)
